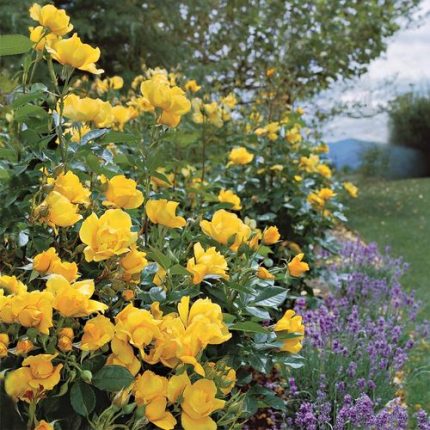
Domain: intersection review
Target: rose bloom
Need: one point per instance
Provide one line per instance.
(122, 193)
(108, 235)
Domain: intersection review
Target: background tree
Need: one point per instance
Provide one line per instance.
(311, 43)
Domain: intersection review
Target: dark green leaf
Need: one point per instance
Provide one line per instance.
(248, 326)
(82, 398)
(112, 378)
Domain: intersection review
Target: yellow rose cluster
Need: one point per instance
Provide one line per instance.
(155, 248)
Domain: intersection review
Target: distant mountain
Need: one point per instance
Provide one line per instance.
(349, 152)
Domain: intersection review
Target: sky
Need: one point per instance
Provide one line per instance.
(405, 63)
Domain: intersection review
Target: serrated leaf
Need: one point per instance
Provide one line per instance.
(13, 44)
(112, 378)
(82, 398)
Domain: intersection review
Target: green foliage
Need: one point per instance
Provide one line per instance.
(410, 122)
(374, 162)
(311, 43)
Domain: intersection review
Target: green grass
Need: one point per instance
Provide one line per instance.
(397, 214)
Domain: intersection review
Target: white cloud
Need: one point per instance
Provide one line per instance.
(408, 60)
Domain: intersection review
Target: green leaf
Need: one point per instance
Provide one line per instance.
(248, 326)
(82, 398)
(93, 134)
(159, 257)
(26, 98)
(28, 111)
(13, 44)
(112, 378)
(272, 297)
(118, 137)
(177, 269)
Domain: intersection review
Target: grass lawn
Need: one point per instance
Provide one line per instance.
(397, 214)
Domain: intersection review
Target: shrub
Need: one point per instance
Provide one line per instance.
(134, 292)
(409, 116)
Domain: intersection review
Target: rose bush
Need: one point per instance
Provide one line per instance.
(152, 242)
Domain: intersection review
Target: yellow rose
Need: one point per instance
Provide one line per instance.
(227, 196)
(254, 242)
(64, 268)
(324, 170)
(34, 310)
(122, 193)
(239, 156)
(270, 72)
(108, 235)
(206, 263)
(57, 210)
(351, 189)
(296, 267)
(43, 261)
(64, 344)
(40, 39)
(4, 343)
(136, 326)
(148, 387)
(151, 390)
(50, 17)
(271, 235)
(230, 101)
(183, 337)
(87, 109)
(316, 201)
(164, 212)
(70, 186)
(192, 86)
(291, 323)
(224, 226)
(205, 319)
(326, 194)
(263, 273)
(198, 404)
(65, 339)
(73, 300)
(310, 164)
(157, 414)
(134, 261)
(121, 115)
(37, 375)
(123, 355)
(293, 135)
(73, 52)
(176, 386)
(43, 425)
(98, 331)
(12, 285)
(171, 100)
(6, 314)
(23, 347)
